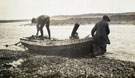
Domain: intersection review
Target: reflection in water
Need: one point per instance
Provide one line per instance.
(122, 37)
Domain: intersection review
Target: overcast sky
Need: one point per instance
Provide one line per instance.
(20, 9)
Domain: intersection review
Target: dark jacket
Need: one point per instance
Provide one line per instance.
(100, 33)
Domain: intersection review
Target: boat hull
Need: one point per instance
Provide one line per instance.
(68, 48)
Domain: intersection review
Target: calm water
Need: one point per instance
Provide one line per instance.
(122, 37)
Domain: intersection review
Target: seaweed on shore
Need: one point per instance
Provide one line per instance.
(41, 66)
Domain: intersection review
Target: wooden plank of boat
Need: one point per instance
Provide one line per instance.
(68, 47)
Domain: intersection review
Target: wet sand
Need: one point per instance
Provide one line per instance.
(21, 64)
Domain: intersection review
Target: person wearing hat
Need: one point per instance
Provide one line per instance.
(100, 34)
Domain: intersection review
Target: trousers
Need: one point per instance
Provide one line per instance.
(99, 49)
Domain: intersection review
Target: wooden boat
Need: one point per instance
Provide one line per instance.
(68, 47)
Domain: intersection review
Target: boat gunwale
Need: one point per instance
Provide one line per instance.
(71, 42)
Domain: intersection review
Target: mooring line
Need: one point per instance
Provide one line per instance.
(7, 45)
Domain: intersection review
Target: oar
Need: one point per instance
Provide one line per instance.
(88, 36)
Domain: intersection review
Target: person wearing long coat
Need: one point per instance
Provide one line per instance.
(100, 34)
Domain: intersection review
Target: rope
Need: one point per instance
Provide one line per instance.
(7, 45)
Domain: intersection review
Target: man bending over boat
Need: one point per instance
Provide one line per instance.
(41, 21)
(100, 34)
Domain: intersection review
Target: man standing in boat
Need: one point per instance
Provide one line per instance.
(41, 21)
(100, 34)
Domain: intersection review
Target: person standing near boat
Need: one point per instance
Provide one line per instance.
(41, 21)
(100, 34)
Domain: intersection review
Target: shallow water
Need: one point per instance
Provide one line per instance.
(122, 37)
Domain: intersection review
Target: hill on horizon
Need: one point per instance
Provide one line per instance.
(116, 18)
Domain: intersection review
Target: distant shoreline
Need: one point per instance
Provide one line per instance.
(30, 24)
(12, 21)
(83, 19)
